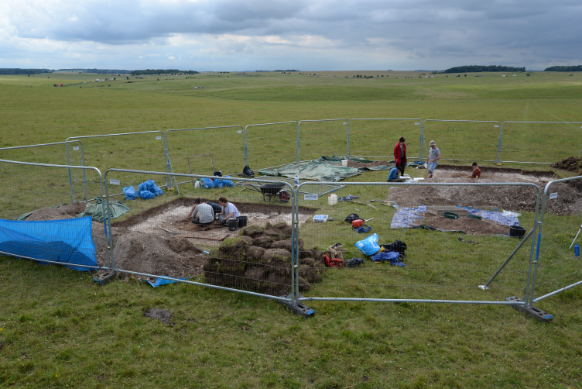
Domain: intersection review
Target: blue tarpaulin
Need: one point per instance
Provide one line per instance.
(408, 217)
(162, 281)
(67, 240)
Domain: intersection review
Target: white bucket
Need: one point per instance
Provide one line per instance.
(344, 162)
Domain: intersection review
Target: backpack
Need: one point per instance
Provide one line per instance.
(351, 217)
(248, 172)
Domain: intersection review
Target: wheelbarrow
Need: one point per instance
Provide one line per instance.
(271, 190)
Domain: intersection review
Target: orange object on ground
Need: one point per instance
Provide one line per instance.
(357, 223)
(476, 173)
(334, 262)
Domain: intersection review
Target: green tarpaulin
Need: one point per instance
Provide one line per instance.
(323, 169)
(116, 209)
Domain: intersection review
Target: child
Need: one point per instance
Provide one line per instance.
(476, 171)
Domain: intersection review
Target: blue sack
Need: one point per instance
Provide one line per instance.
(218, 183)
(208, 183)
(369, 246)
(129, 193)
(146, 194)
(228, 183)
(156, 189)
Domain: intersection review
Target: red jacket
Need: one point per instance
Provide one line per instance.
(397, 157)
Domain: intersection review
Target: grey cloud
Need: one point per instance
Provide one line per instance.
(423, 28)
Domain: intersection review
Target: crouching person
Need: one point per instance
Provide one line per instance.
(202, 213)
(476, 171)
(229, 210)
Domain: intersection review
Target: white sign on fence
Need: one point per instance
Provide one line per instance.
(310, 197)
(114, 182)
(158, 137)
(239, 131)
(553, 196)
(417, 124)
(76, 148)
(497, 125)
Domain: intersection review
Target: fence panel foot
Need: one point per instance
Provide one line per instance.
(297, 308)
(104, 278)
(530, 310)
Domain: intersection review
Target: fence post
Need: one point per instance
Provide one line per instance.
(298, 140)
(348, 122)
(245, 145)
(420, 156)
(109, 236)
(498, 162)
(529, 290)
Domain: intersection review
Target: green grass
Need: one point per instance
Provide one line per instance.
(58, 329)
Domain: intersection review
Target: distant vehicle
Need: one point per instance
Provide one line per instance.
(96, 80)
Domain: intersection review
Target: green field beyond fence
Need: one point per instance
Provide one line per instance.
(57, 329)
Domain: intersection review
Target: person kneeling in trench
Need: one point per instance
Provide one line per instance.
(204, 211)
(476, 171)
(229, 210)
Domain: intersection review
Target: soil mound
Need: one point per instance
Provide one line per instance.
(69, 211)
(153, 254)
(259, 259)
(572, 164)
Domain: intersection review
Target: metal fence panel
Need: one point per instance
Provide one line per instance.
(480, 139)
(270, 144)
(557, 268)
(321, 137)
(43, 191)
(225, 143)
(439, 266)
(376, 138)
(145, 149)
(157, 239)
(554, 141)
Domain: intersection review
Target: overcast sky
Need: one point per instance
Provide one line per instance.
(234, 35)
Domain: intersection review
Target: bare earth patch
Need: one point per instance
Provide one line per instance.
(515, 198)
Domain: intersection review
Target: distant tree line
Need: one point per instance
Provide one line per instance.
(477, 68)
(95, 70)
(23, 71)
(292, 70)
(162, 71)
(564, 69)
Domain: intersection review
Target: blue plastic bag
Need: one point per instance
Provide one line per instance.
(146, 194)
(208, 184)
(156, 189)
(218, 183)
(369, 246)
(129, 193)
(228, 183)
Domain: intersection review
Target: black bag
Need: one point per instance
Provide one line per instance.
(248, 172)
(398, 246)
(351, 217)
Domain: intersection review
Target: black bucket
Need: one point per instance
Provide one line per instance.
(516, 231)
(242, 221)
(232, 224)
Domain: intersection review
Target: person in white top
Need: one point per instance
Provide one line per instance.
(229, 210)
(434, 154)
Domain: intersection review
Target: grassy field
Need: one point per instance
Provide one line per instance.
(57, 329)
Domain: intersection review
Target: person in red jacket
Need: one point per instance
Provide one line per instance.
(400, 155)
